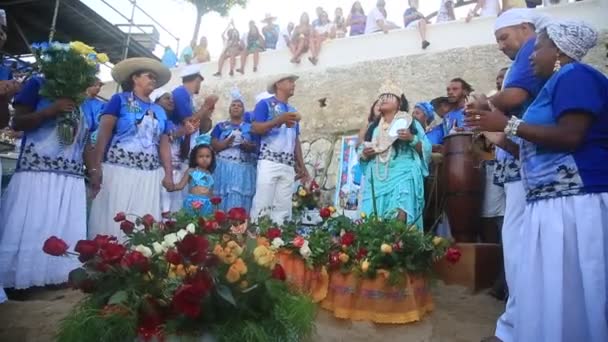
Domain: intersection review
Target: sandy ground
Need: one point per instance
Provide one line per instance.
(459, 316)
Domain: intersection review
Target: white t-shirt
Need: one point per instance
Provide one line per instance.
(490, 9)
(281, 43)
(443, 15)
(371, 24)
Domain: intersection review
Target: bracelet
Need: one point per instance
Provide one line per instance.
(512, 126)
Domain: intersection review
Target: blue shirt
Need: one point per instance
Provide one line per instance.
(169, 58)
(92, 108)
(136, 137)
(41, 150)
(549, 173)
(6, 74)
(436, 135)
(184, 106)
(520, 75)
(454, 119)
(223, 130)
(279, 143)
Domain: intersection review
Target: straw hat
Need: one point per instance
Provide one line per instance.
(268, 17)
(273, 81)
(123, 70)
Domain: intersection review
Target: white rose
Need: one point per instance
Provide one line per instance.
(182, 234)
(158, 248)
(191, 228)
(278, 243)
(305, 251)
(146, 251)
(170, 240)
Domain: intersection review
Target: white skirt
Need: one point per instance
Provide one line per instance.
(38, 205)
(561, 285)
(135, 192)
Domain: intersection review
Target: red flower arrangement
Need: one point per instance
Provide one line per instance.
(55, 246)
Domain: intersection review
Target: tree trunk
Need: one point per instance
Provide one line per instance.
(197, 26)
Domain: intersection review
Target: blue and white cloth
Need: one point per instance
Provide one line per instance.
(235, 170)
(46, 196)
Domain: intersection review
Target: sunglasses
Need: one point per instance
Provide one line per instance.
(150, 76)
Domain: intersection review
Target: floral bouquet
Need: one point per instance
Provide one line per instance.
(186, 277)
(68, 70)
(306, 197)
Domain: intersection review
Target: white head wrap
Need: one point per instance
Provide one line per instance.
(517, 16)
(573, 38)
(235, 95)
(157, 93)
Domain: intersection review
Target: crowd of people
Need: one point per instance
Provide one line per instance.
(153, 151)
(307, 36)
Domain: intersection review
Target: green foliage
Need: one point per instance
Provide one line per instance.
(205, 6)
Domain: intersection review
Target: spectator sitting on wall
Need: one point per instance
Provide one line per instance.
(271, 32)
(376, 20)
(319, 11)
(320, 33)
(285, 37)
(446, 11)
(232, 48)
(201, 54)
(300, 39)
(187, 54)
(413, 18)
(255, 44)
(356, 20)
(169, 58)
(508, 4)
(488, 8)
(340, 23)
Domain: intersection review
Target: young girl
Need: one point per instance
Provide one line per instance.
(202, 164)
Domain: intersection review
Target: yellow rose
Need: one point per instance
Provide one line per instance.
(262, 241)
(103, 58)
(363, 215)
(234, 248)
(332, 209)
(302, 193)
(218, 250)
(81, 48)
(264, 256)
(343, 258)
(365, 265)
(437, 240)
(229, 258)
(180, 272)
(295, 204)
(386, 248)
(240, 266)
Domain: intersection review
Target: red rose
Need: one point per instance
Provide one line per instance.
(187, 300)
(362, 253)
(147, 221)
(347, 239)
(220, 216)
(273, 233)
(196, 205)
(55, 246)
(127, 227)
(298, 241)
(113, 253)
(237, 214)
(453, 255)
(216, 200)
(279, 273)
(314, 185)
(136, 260)
(120, 217)
(211, 226)
(103, 240)
(201, 281)
(102, 267)
(150, 314)
(194, 247)
(173, 257)
(87, 250)
(334, 260)
(325, 213)
(170, 225)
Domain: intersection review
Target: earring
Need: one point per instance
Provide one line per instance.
(557, 65)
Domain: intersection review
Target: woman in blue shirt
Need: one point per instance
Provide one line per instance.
(562, 287)
(236, 160)
(46, 195)
(133, 143)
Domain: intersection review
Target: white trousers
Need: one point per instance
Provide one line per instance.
(511, 242)
(561, 282)
(273, 192)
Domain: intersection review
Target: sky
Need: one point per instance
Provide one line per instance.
(179, 16)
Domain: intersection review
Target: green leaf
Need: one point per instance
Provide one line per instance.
(118, 298)
(226, 294)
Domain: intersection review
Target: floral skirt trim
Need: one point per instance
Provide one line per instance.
(133, 160)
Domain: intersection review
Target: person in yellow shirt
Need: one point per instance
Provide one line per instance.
(508, 4)
(201, 54)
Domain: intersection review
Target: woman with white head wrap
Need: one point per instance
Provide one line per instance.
(235, 172)
(562, 283)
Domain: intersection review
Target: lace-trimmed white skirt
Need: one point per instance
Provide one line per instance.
(126, 190)
(35, 206)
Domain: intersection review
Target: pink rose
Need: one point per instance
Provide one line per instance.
(298, 241)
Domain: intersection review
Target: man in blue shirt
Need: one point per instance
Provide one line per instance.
(458, 91)
(277, 123)
(515, 34)
(92, 107)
